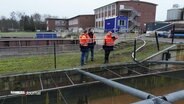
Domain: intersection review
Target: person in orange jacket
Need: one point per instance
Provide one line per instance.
(108, 45)
(83, 39)
(91, 44)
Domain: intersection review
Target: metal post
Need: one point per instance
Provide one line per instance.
(172, 33)
(156, 37)
(135, 49)
(135, 92)
(54, 54)
(167, 56)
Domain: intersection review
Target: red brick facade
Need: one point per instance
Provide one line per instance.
(54, 24)
(81, 21)
(147, 10)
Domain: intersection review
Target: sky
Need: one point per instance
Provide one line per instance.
(71, 8)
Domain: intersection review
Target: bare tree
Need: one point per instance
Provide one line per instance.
(13, 15)
(37, 20)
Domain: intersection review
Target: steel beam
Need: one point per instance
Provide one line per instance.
(114, 73)
(41, 84)
(69, 79)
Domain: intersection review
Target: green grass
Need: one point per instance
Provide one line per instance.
(70, 60)
(151, 48)
(17, 34)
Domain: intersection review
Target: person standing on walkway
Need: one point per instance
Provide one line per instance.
(108, 45)
(91, 44)
(83, 39)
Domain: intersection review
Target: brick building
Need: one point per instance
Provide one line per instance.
(54, 24)
(81, 21)
(138, 12)
(72, 24)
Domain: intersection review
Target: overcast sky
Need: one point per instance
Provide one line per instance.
(71, 8)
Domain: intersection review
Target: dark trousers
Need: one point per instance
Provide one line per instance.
(107, 50)
(90, 50)
(107, 53)
(84, 51)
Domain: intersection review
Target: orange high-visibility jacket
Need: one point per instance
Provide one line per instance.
(108, 40)
(84, 39)
(93, 39)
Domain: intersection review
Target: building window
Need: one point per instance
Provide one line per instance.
(58, 23)
(113, 9)
(105, 13)
(113, 12)
(121, 23)
(109, 10)
(98, 24)
(102, 23)
(101, 12)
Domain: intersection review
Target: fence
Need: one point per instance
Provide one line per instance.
(38, 58)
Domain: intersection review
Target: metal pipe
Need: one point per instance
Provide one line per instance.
(163, 27)
(159, 52)
(132, 91)
(155, 100)
(175, 96)
(167, 62)
(144, 43)
(148, 101)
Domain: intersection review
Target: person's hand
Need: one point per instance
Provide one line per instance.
(114, 37)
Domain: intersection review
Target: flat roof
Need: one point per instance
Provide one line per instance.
(81, 15)
(129, 1)
(56, 19)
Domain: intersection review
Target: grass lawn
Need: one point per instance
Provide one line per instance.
(70, 60)
(17, 34)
